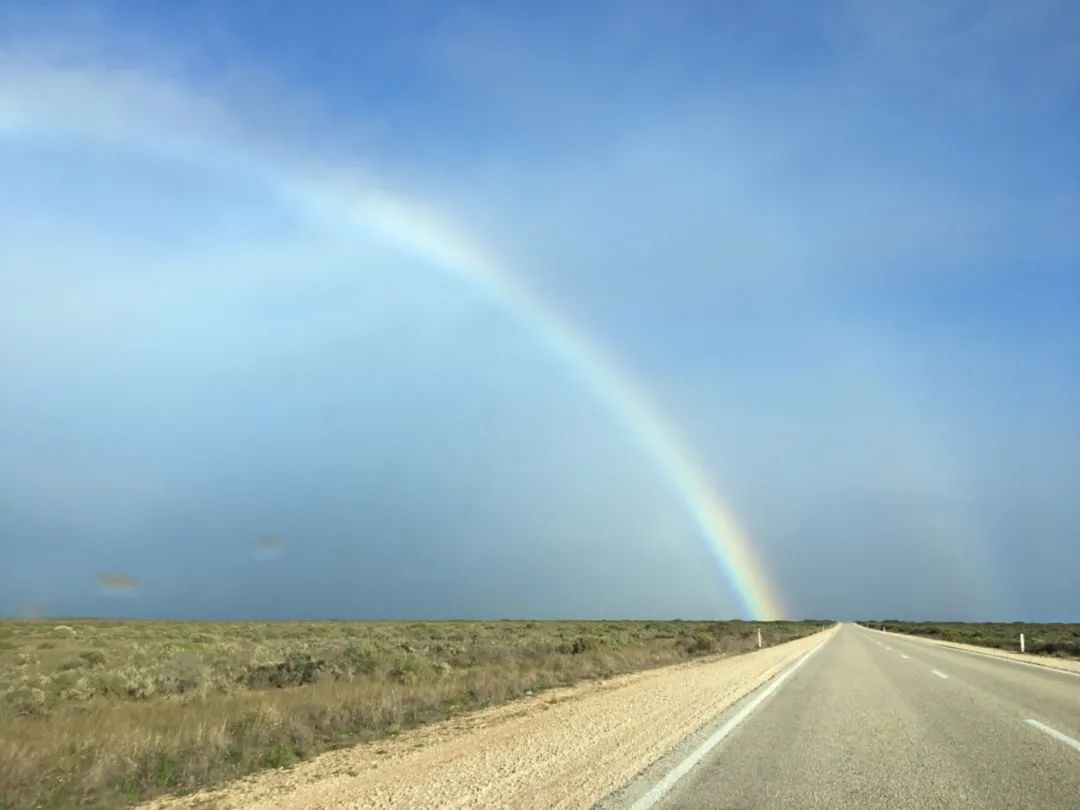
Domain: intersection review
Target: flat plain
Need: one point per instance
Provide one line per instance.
(98, 713)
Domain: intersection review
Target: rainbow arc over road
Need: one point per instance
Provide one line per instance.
(449, 248)
(410, 227)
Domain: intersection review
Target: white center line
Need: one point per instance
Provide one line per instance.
(889, 649)
(1057, 735)
(939, 674)
(1042, 667)
(905, 657)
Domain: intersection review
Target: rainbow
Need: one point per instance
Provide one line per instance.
(413, 229)
(449, 248)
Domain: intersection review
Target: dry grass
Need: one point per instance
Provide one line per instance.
(99, 713)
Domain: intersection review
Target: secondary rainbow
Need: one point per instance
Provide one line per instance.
(413, 229)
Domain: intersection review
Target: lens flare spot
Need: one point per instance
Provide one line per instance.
(117, 585)
(267, 547)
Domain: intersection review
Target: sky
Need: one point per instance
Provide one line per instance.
(499, 310)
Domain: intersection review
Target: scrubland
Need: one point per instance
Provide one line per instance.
(1058, 640)
(96, 713)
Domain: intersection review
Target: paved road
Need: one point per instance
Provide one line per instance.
(875, 720)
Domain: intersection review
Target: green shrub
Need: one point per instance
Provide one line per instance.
(361, 658)
(583, 644)
(699, 644)
(296, 670)
(28, 700)
(92, 658)
(409, 669)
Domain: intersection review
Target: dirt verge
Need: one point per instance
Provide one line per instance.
(565, 748)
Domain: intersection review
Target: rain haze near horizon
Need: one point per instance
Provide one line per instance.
(836, 246)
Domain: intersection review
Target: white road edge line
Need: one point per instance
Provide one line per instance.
(939, 674)
(679, 771)
(1057, 735)
(940, 646)
(1040, 667)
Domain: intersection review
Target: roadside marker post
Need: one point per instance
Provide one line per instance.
(759, 638)
(1021, 642)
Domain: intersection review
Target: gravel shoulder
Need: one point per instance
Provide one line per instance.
(564, 748)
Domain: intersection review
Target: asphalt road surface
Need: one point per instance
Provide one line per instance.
(873, 720)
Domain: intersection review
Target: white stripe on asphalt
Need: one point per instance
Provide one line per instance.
(1057, 735)
(942, 645)
(1040, 667)
(679, 771)
(905, 657)
(939, 674)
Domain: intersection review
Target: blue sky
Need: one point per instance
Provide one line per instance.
(835, 244)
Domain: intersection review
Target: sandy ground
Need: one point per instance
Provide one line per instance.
(1066, 664)
(565, 748)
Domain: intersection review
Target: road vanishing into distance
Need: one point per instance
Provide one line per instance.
(876, 720)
